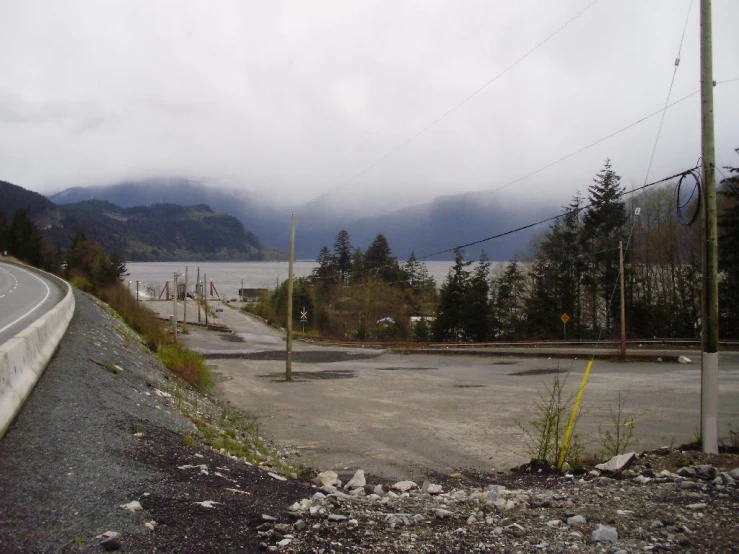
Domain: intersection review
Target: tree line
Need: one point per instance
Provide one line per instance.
(85, 263)
(573, 269)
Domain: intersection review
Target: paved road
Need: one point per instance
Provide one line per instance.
(401, 415)
(24, 296)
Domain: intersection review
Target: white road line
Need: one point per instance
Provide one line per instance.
(48, 292)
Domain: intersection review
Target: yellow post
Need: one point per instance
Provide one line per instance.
(573, 417)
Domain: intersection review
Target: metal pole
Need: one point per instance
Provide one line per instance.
(137, 290)
(174, 308)
(184, 309)
(198, 292)
(623, 298)
(291, 255)
(709, 305)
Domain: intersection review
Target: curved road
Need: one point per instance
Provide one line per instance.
(24, 296)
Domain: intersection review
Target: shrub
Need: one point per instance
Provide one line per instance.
(187, 364)
(81, 283)
(140, 318)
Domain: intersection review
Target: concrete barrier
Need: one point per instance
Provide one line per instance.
(24, 357)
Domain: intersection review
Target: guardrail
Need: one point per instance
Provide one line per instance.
(24, 357)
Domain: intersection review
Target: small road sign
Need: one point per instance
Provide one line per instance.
(303, 315)
(564, 318)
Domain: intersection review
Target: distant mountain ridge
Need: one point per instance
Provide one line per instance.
(161, 232)
(425, 228)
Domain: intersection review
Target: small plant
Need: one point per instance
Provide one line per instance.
(188, 440)
(114, 369)
(546, 433)
(78, 541)
(616, 440)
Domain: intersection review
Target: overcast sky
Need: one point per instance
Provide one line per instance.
(289, 99)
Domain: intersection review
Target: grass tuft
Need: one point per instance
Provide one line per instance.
(187, 364)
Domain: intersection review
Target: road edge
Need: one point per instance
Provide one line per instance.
(24, 358)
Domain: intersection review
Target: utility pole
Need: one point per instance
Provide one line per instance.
(709, 235)
(623, 298)
(184, 309)
(174, 308)
(198, 293)
(241, 292)
(291, 255)
(205, 294)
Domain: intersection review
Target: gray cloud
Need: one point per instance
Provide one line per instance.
(289, 99)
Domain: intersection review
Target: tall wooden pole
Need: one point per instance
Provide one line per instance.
(184, 309)
(198, 293)
(709, 305)
(174, 308)
(291, 255)
(623, 298)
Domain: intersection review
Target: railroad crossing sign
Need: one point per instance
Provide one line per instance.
(564, 318)
(303, 315)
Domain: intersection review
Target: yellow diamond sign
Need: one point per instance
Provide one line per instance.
(565, 318)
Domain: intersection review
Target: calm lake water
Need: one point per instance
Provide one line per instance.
(227, 276)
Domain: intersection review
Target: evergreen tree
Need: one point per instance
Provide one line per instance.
(450, 313)
(325, 273)
(603, 226)
(4, 230)
(24, 239)
(477, 312)
(508, 310)
(343, 255)
(358, 269)
(379, 260)
(729, 255)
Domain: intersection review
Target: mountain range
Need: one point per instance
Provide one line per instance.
(160, 232)
(426, 228)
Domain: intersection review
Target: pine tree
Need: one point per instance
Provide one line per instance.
(449, 314)
(24, 239)
(343, 255)
(325, 273)
(379, 260)
(603, 228)
(729, 255)
(477, 312)
(508, 310)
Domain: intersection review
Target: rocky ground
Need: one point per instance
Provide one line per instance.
(113, 453)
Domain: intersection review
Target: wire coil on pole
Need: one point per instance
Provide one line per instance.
(680, 207)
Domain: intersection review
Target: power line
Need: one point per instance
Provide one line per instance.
(580, 150)
(458, 105)
(547, 220)
(669, 93)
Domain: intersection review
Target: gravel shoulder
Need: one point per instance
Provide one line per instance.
(94, 437)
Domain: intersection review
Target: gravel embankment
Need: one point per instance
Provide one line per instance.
(93, 438)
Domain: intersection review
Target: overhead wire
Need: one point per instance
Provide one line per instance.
(669, 92)
(458, 105)
(553, 218)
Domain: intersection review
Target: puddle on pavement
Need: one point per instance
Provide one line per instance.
(303, 376)
(407, 368)
(310, 357)
(231, 337)
(543, 371)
